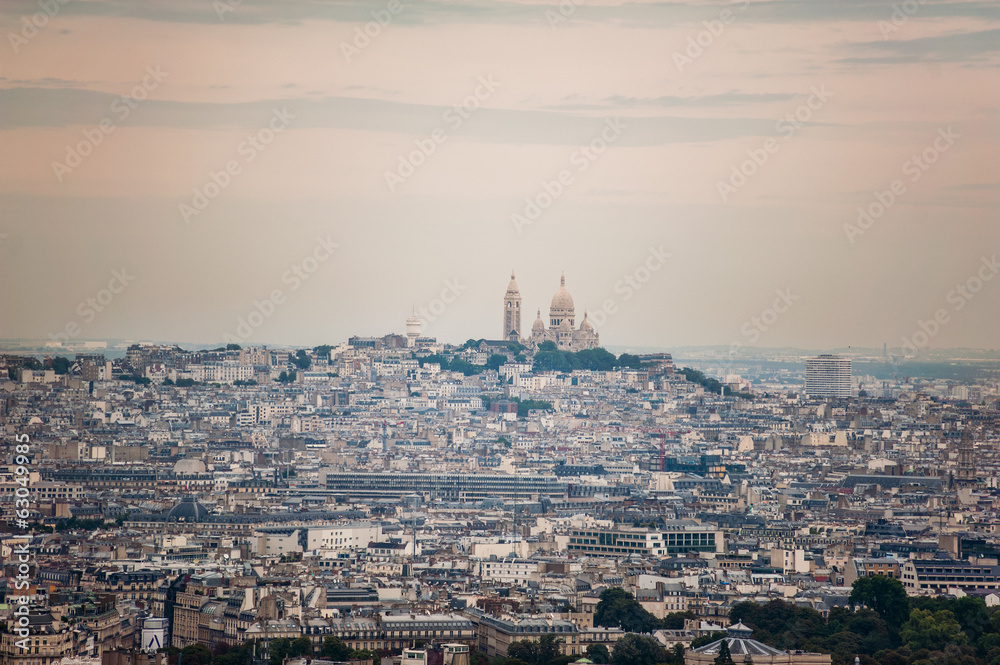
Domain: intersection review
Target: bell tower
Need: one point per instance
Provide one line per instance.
(512, 312)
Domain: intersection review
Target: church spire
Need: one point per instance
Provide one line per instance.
(512, 311)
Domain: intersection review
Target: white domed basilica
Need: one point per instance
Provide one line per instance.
(562, 328)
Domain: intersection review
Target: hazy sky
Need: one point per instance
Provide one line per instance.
(626, 123)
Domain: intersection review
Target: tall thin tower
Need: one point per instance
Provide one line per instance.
(412, 330)
(966, 476)
(512, 312)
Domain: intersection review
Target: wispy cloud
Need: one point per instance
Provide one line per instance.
(955, 47)
(422, 12)
(35, 107)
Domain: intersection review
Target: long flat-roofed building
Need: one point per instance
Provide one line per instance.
(679, 537)
(444, 486)
(936, 576)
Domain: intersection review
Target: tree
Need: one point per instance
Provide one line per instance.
(780, 624)
(495, 361)
(237, 655)
(724, 657)
(599, 654)
(971, 612)
(525, 650)
(630, 361)
(675, 620)
(196, 654)
(233, 347)
(635, 649)
(363, 654)
(931, 630)
(465, 367)
(619, 608)
(678, 654)
(300, 646)
(883, 594)
(548, 648)
(301, 360)
(172, 654)
(708, 639)
(278, 650)
(524, 406)
(544, 651)
(61, 365)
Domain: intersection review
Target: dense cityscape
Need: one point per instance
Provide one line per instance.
(499, 332)
(529, 500)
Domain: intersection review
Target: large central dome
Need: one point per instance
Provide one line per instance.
(562, 299)
(562, 308)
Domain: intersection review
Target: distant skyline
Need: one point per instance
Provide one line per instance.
(811, 175)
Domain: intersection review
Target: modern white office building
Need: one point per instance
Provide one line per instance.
(828, 376)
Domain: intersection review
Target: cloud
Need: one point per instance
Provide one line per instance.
(35, 107)
(954, 47)
(623, 102)
(420, 12)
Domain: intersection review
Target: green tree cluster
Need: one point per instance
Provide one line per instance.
(283, 647)
(619, 608)
(635, 649)
(549, 358)
(452, 364)
(60, 365)
(708, 383)
(301, 360)
(882, 626)
(542, 652)
(523, 406)
(334, 649)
